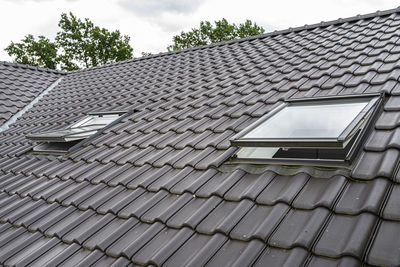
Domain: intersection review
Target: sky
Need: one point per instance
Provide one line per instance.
(151, 24)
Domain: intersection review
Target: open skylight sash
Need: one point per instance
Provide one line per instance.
(360, 108)
(339, 151)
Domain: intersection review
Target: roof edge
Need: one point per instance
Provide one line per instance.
(24, 66)
(261, 36)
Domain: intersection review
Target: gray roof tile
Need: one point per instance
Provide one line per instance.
(299, 228)
(392, 207)
(385, 246)
(281, 257)
(346, 235)
(259, 222)
(328, 262)
(282, 188)
(319, 192)
(362, 196)
(236, 253)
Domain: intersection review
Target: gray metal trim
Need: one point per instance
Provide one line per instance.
(371, 95)
(14, 118)
(357, 120)
(354, 151)
(292, 162)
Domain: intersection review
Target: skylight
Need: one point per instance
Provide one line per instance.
(60, 141)
(327, 130)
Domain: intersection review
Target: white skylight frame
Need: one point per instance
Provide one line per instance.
(354, 133)
(64, 140)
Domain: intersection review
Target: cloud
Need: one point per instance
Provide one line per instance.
(152, 8)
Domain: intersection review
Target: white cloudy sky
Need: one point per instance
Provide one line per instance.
(151, 24)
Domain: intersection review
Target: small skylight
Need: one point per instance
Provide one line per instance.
(60, 141)
(325, 130)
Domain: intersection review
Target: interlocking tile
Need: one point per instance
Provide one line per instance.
(385, 247)
(362, 196)
(249, 186)
(282, 188)
(259, 222)
(197, 251)
(299, 228)
(345, 235)
(281, 257)
(319, 192)
(236, 253)
(385, 164)
(328, 262)
(392, 207)
(224, 217)
(194, 212)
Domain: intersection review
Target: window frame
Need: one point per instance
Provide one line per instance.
(43, 142)
(372, 108)
(61, 135)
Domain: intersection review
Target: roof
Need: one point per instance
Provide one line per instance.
(20, 85)
(153, 188)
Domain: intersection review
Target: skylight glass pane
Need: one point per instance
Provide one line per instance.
(316, 120)
(97, 120)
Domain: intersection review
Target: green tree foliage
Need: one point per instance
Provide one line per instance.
(84, 45)
(208, 33)
(29, 51)
(79, 44)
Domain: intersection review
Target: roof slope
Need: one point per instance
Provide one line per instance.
(19, 85)
(149, 190)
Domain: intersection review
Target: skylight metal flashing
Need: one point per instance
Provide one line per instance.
(316, 139)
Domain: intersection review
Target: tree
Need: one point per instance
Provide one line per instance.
(84, 45)
(207, 34)
(41, 52)
(79, 44)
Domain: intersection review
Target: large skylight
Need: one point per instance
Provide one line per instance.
(307, 130)
(309, 120)
(60, 141)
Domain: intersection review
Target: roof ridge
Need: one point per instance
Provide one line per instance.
(24, 66)
(378, 13)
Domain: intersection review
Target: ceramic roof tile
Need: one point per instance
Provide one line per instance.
(236, 253)
(346, 235)
(282, 188)
(322, 261)
(197, 250)
(392, 207)
(385, 247)
(281, 257)
(362, 196)
(299, 228)
(259, 222)
(319, 192)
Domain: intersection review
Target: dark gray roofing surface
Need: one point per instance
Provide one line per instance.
(19, 85)
(150, 190)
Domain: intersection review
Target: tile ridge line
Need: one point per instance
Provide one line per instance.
(24, 66)
(250, 38)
